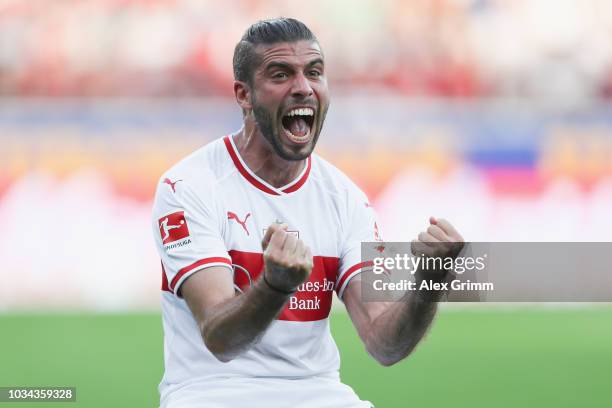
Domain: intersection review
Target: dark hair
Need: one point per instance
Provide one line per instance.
(265, 32)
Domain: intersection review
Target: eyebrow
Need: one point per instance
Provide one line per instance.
(281, 65)
(288, 67)
(315, 62)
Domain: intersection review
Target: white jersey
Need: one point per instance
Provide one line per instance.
(212, 210)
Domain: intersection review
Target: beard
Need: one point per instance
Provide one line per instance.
(265, 122)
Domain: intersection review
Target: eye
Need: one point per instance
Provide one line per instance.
(280, 75)
(314, 73)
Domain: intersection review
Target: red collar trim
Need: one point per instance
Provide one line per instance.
(290, 188)
(247, 174)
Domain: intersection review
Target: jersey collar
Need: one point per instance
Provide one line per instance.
(259, 182)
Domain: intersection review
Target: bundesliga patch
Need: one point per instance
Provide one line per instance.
(173, 227)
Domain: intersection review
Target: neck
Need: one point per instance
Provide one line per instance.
(261, 158)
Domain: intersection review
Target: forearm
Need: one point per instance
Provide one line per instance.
(390, 331)
(232, 327)
(395, 333)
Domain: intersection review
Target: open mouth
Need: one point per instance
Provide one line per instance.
(297, 124)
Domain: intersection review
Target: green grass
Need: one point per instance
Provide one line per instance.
(521, 358)
(471, 358)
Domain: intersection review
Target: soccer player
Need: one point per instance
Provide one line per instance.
(255, 232)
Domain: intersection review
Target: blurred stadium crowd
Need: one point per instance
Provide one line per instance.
(447, 48)
(492, 113)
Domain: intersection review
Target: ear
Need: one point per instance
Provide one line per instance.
(242, 92)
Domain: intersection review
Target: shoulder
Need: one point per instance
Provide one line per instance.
(210, 161)
(205, 166)
(197, 174)
(335, 181)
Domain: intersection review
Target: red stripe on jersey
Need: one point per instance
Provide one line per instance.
(350, 270)
(194, 265)
(302, 179)
(313, 299)
(245, 173)
(243, 170)
(164, 285)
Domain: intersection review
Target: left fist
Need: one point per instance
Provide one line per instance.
(440, 240)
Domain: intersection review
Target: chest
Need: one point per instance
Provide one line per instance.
(315, 218)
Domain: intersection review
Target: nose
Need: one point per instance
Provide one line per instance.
(301, 86)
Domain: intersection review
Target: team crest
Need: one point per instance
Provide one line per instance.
(292, 232)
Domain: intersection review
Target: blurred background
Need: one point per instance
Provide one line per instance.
(495, 114)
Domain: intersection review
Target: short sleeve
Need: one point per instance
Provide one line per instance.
(188, 228)
(362, 227)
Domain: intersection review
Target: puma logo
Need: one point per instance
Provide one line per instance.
(233, 216)
(171, 184)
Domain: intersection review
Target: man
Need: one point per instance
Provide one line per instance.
(255, 232)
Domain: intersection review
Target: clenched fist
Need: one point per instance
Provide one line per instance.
(440, 240)
(287, 260)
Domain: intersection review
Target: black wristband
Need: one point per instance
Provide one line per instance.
(284, 292)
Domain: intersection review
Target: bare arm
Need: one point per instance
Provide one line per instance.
(391, 330)
(230, 324)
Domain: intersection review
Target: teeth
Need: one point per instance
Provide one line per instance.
(298, 138)
(301, 112)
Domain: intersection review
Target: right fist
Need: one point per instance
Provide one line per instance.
(287, 260)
